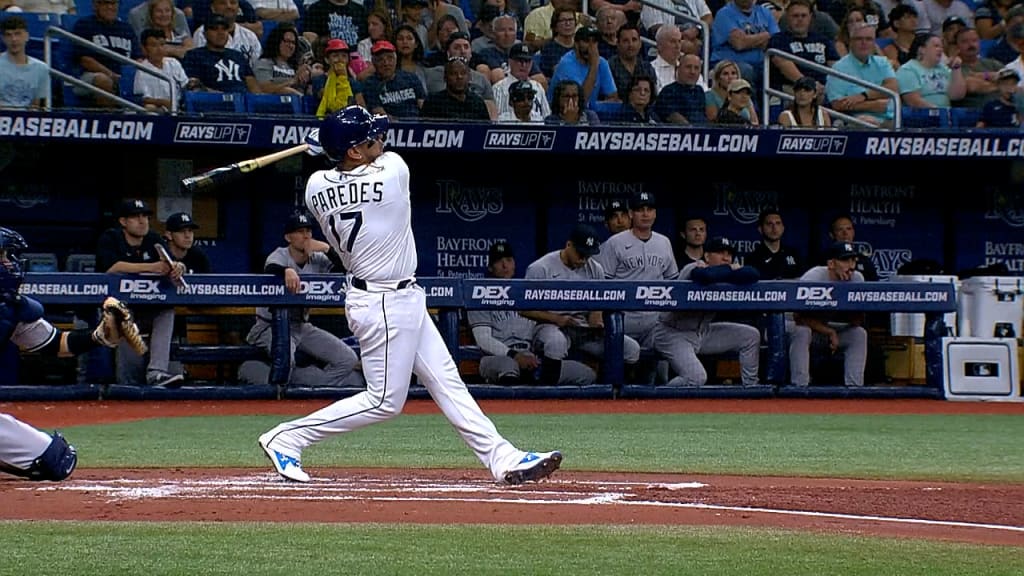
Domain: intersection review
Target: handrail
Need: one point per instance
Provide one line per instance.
(705, 33)
(74, 38)
(897, 119)
(831, 112)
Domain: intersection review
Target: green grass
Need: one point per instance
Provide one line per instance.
(156, 549)
(928, 447)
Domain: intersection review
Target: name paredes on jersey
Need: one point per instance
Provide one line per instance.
(346, 194)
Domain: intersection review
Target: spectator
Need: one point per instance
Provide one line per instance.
(567, 108)
(722, 75)
(903, 19)
(822, 22)
(990, 18)
(804, 111)
(105, 29)
(238, 37)
(588, 68)
(616, 217)
(45, 6)
(340, 88)
(609, 20)
(522, 95)
(456, 102)
(437, 50)
(409, 52)
(683, 101)
(669, 48)
(412, 17)
(799, 40)
(773, 260)
(389, 90)
(1005, 49)
(241, 11)
(156, 93)
(538, 27)
(214, 67)
(979, 73)
(130, 248)
(563, 31)
(639, 106)
(936, 13)
(925, 82)
(681, 336)
(519, 63)
(162, 15)
(557, 331)
(738, 102)
(25, 80)
(740, 32)
(505, 337)
(865, 104)
(332, 361)
(950, 28)
(841, 230)
(180, 235)
(1016, 35)
(1003, 112)
(494, 60)
(378, 27)
(281, 69)
(342, 19)
(436, 20)
(627, 64)
(692, 235)
(639, 254)
(853, 18)
(460, 47)
(482, 32)
(691, 40)
(281, 11)
(630, 9)
(834, 331)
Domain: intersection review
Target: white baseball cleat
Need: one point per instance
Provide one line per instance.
(287, 466)
(533, 467)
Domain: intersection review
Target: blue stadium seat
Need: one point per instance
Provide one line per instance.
(773, 113)
(80, 263)
(964, 117)
(223, 102)
(883, 42)
(288, 104)
(925, 117)
(268, 25)
(607, 111)
(986, 47)
(126, 86)
(310, 104)
(41, 261)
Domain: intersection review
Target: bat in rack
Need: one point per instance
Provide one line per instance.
(232, 172)
(180, 282)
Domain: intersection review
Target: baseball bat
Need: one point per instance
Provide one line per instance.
(232, 172)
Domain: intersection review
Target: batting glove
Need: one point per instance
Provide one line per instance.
(313, 140)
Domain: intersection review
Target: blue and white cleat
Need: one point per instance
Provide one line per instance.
(533, 467)
(287, 466)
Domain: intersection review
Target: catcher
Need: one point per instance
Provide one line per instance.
(24, 450)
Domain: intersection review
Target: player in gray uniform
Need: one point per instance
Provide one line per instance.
(505, 336)
(832, 331)
(364, 208)
(639, 254)
(557, 331)
(616, 217)
(682, 335)
(303, 255)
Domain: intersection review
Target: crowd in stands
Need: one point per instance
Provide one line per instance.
(484, 60)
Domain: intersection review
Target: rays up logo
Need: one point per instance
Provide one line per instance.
(469, 204)
(743, 206)
(1005, 205)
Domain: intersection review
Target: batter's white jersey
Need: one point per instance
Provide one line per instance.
(366, 215)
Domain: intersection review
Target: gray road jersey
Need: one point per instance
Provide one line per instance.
(507, 326)
(550, 267)
(318, 263)
(626, 257)
(690, 319)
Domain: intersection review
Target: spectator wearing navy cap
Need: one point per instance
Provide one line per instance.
(130, 248)
(521, 94)
(215, 66)
(520, 62)
(1004, 111)
(830, 331)
(681, 336)
(495, 60)
(180, 234)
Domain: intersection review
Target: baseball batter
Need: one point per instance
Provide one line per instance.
(363, 206)
(24, 450)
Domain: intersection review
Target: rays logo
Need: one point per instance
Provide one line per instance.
(889, 260)
(467, 203)
(1006, 205)
(742, 205)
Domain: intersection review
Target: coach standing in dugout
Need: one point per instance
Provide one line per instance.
(179, 232)
(130, 248)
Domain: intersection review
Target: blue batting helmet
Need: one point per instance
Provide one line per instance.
(12, 267)
(350, 126)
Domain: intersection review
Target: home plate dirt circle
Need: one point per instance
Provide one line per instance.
(979, 513)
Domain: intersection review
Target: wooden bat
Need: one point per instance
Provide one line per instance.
(180, 282)
(232, 172)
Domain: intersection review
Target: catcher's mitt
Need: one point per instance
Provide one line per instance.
(116, 325)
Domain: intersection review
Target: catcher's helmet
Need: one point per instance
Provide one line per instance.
(350, 126)
(12, 266)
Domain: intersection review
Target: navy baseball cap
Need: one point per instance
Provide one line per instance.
(297, 221)
(133, 207)
(500, 249)
(641, 199)
(215, 20)
(180, 221)
(519, 51)
(720, 244)
(585, 240)
(614, 207)
(842, 251)
(587, 33)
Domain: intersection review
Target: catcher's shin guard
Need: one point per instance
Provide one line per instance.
(56, 463)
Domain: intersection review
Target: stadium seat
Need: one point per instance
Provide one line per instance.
(925, 117)
(80, 263)
(986, 47)
(607, 111)
(126, 87)
(310, 104)
(223, 102)
(37, 24)
(883, 42)
(964, 117)
(288, 104)
(41, 261)
(268, 25)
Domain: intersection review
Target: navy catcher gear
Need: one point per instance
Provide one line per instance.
(349, 127)
(12, 267)
(56, 463)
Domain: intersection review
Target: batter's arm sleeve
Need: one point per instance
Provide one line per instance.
(487, 342)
